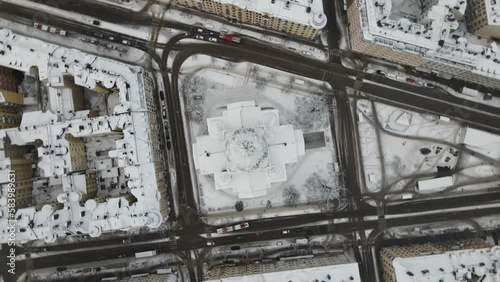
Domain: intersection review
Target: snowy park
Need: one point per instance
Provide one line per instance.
(312, 184)
(400, 147)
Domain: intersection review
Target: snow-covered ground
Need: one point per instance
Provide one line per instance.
(400, 147)
(209, 84)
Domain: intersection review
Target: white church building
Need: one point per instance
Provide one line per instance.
(247, 149)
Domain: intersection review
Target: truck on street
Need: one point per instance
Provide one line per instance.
(145, 254)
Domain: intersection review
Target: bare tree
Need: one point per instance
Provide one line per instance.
(269, 205)
(328, 194)
(195, 113)
(291, 196)
(314, 112)
(239, 206)
(229, 65)
(260, 83)
(193, 84)
(254, 70)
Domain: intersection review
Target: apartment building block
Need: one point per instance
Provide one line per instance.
(301, 18)
(78, 172)
(339, 267)
(457, 260)
(434, 42)
(483, 17)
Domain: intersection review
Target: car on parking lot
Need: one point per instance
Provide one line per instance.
(286, 231)
(210, 244)
(279, 243)
(200, 37)
(213, 39)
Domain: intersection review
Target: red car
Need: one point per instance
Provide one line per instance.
(410, 80)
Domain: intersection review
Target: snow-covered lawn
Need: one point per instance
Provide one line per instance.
(400, 147)
(209, 84)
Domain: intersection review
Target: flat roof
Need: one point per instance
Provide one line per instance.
(434, 183)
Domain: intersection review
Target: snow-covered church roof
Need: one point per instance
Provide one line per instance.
(247, 149)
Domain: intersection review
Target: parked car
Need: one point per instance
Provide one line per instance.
(200, 37)
(213, 39)
(197, 97)
(410, 80)
(279, 243)
(235, 248)
(210, 244)
(427, 84)
(61, 268)
(286, 231)
(96, 22)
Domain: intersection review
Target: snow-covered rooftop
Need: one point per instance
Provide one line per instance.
(247, 149)
(450, 266)
(339, 268)
(135, 152)
(436, 34)
(306, 12)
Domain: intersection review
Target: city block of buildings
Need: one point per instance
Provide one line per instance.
(82, 155)
(458, 260)
(339, 267)
(301, 18)
(434, 40)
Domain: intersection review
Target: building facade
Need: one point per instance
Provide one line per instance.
(434, 42)
(301, 18)
(441, 261)
(483, 17)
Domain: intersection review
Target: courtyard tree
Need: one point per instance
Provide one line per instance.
(238, 206)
